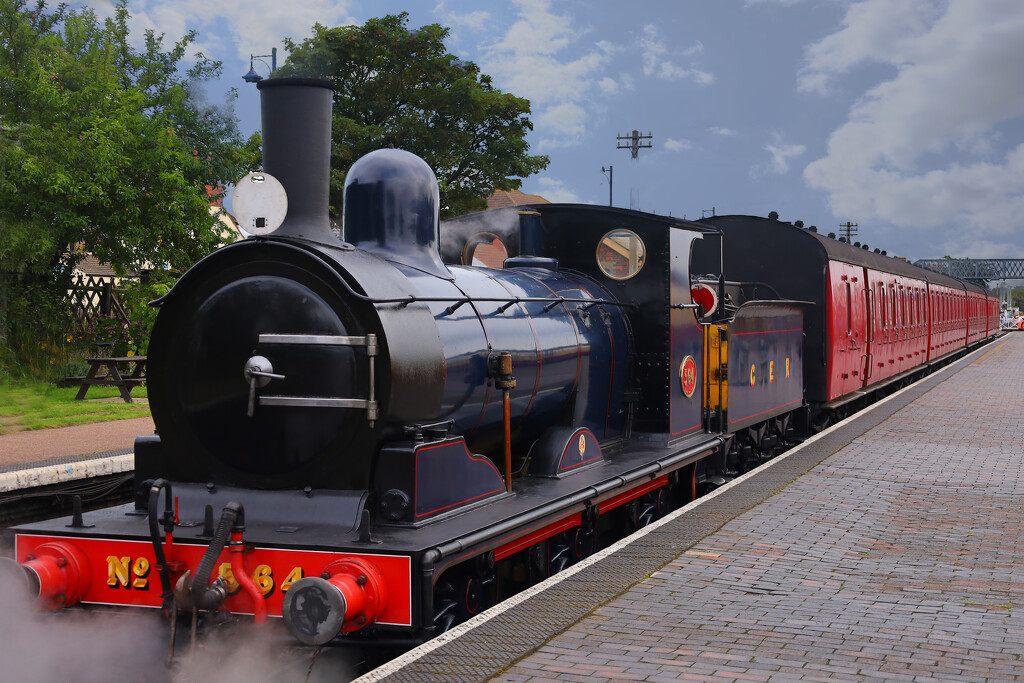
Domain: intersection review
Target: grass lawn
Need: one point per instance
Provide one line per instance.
(27, 404)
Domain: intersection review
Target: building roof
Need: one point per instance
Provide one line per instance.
(90, 265)
(503, 198)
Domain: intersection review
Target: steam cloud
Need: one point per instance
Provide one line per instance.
(100, 645)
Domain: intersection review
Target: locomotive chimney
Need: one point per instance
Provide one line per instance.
(297, 151)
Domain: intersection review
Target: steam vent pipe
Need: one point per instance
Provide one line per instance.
(296, 116)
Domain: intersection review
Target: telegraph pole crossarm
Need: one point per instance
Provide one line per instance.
(634, 142)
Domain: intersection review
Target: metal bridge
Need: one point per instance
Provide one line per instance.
(977, 268)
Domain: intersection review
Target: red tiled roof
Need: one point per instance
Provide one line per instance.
(504, 198)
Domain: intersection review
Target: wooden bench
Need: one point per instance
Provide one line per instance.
(114, 377)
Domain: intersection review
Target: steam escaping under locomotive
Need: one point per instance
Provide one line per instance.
(373, 439)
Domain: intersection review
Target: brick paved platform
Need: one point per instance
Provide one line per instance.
(890, 547)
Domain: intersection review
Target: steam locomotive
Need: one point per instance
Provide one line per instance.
(374, 439)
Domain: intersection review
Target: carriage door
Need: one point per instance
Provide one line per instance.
(869, 328)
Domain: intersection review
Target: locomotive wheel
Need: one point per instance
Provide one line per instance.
(445, 607)
(455, 600)
(560, 556)
(650, 507)
(461, 595)
(537, 565)
(569, 547)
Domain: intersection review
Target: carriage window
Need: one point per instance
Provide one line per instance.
(621, 254)
(484, 249)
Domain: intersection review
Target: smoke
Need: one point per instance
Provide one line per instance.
(247, 653)
(101, 645)
(38, 646)
(503, 223)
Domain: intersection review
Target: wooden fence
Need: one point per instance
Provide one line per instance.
(93, 296)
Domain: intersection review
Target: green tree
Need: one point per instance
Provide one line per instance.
(1017, 298)
(104, 148)
(401, 87)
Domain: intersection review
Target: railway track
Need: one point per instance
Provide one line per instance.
(61, 499)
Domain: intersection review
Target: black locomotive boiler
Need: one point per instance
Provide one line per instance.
(374, 439)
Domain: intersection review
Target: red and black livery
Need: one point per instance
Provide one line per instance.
(374, 439)
(874, 319)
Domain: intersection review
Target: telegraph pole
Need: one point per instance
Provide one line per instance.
(849, 228)
(609, 173)
(634, 144)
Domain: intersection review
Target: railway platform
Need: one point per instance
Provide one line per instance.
(49, 466)
(889, 547)
(68, 452)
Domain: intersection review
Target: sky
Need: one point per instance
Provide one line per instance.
(905, 117)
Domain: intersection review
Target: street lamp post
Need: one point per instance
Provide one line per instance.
(252, 76)
(609, 172)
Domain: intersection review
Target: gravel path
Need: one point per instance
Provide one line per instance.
(98, 437)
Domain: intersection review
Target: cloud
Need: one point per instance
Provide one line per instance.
(555, 191)
(920, 150)
(781, 153)
(719, 130)
(527, 61)
(678, 145)
(562, 122)
(609, 85)
(476, 21)
(656, 60)
(252, 26)
(882, 31)
(697, 48)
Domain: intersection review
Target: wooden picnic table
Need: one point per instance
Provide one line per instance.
(114, 376)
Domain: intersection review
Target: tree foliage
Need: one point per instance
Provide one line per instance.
(401, 87)
(104, 145)
(104, 148)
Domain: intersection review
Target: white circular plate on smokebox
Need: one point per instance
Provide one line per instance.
(260, 203)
